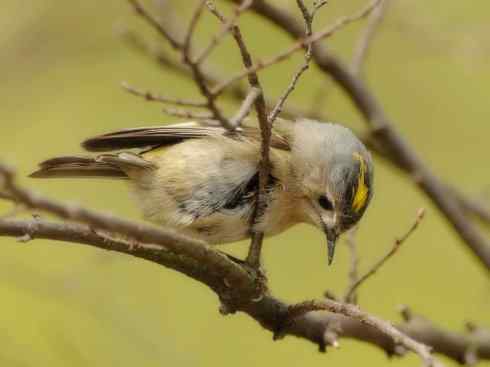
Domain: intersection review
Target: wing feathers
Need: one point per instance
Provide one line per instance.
(172, 134)
(105, 165)
(148, 136)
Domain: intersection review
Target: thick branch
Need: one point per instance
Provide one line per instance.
(139, 232)
(236, 286)
(268, 311)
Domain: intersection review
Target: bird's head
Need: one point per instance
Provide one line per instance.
(334, 174)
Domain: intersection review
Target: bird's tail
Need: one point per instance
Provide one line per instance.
(102, 166)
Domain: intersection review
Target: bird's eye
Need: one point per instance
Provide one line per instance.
(325, 203)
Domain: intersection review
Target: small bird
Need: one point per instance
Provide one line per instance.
(202, 179)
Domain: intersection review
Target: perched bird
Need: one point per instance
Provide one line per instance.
(202, 180)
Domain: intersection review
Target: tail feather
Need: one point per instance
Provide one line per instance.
(79, 167)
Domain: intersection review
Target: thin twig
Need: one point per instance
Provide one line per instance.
(186, 114)
(225, 30)
(155, 23)
(354, 263)
(284, 55)
(184, 49)
(364, 42)
(245, 107)
(237, 91)
(149, 96)
(308, 18)
(253, 257)
(376, 266)
(349, 310)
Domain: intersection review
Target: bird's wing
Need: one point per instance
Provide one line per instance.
(171, 134)
(105, 165)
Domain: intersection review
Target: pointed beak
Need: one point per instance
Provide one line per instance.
(331, 234)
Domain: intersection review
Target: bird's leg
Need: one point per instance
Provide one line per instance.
(253, 258)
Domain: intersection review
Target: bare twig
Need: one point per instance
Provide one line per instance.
(364, 42)
(237, 91)
(354, 263)
(197, 73)
(245, 107)
(149, 96)
(308, 17)
(398, 242)
(468, 204)
(155, 23)
(284, 55)
(225, 30)
(349, 310)
(186, 48)
(253, 257)
(186, 114)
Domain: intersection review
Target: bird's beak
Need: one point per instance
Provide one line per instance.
(332, 235)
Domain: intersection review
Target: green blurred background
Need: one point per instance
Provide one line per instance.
(70, 305)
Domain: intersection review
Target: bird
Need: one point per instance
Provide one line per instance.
(201, 179)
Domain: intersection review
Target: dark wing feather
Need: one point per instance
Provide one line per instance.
(171, 134)
(73, 166)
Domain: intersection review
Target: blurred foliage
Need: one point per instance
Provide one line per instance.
(70, 305)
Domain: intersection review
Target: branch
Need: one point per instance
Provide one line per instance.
(472, 205)
(183, 113)
(235, 285)
(225, 30)
(364, 42)
(384, 133)
(354, 264)
(352, 311)
(298, 45)
(246, 106)
(308, 18)
(468, 204)
(235, 91)
(156, 24)
(149, 96)
(184, 49)
(139, 232)
(398, 242)
(253, 257)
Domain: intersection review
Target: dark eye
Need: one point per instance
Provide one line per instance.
(325, 203)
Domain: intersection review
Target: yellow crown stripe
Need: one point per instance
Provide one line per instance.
(361, 196)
